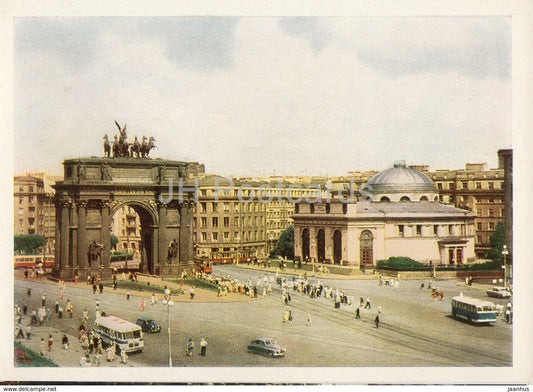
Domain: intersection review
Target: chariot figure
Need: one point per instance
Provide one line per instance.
(95, 251)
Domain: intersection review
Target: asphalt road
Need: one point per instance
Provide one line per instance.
(414, 330)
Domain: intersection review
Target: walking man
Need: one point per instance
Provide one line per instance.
(203, 347)
(367, 306)
(376, 320)
(190, 347)
(357, 313)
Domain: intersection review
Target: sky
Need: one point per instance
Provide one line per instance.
(265, 95)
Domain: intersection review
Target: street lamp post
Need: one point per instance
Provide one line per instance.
(505, 252)
(168, 302)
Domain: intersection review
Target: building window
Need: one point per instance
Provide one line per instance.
(435, 230)
(401, 230)
(203, 208)
(297, 208)
(480, 213)
(204, 222)
(226, 221)
(451, 186)
(328, 208)
(478, 185)
(204, 236)
(21, 222)
(31, 188)
(344, 208)
(479, 239)
(491, 212)
(226, 235)
(439, 186)
(30, 199)
(203, 192)
(491, 185)
(479, 226)
(21, 200)
(214, 221)
(312, 208)
(450, 229)
(215, 236)
(214, 206)
(419, 230)
(236, 221)
(465, 184)
(491, 226)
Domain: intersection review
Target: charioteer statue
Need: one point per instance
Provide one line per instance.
(123, 149)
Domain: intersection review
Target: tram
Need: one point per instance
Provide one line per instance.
(30, 261)
(473, 310)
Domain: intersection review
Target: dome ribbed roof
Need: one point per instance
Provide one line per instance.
(401, 179)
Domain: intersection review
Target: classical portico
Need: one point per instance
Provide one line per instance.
(94, 188)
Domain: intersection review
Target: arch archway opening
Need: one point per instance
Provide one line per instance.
(337, 247)
(133, 225)
(305, 245)
(321, 246)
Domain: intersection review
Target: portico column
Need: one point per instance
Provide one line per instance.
(104, 232)
(82, 233)
(163, 246)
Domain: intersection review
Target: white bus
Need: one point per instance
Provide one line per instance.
(473, 309)
(113, 330)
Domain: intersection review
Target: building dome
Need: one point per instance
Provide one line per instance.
(401, 183)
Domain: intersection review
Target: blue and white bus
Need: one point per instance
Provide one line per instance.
(113, 330)
(473, 309)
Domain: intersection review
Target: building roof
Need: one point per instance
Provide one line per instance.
(407, 209)
(400, 178)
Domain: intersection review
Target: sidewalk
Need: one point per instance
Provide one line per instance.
(58, 355)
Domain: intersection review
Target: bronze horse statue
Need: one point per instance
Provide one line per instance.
(147, 146)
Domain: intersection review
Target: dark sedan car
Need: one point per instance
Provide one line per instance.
(266, 346)
(148, 325)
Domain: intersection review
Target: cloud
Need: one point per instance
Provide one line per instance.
(310, 28)
(474, 46)
(278, 105)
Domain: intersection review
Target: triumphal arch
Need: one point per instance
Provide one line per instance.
(94, 188)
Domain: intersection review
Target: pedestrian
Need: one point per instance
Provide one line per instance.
(367, 306)
(123, 356)
(203, 347)
(98, 357)
(26, 273)
(50, 343)
(94, 289)
(43, 300)
(24, 309)
(361, 301)
(357, 313)
(28, 291)
(142, 305)
(191, 292)
(101, 288)
(309, 322)
(60, 312)
(56, 307)
(153, 298)
(64, 342)
(42, 348)
(376, 320)
(128, 296)
(190, 347)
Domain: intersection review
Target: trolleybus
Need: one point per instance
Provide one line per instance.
(113, 330)
(473, 309)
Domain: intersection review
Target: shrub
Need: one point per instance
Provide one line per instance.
(401, 263)
(121, 256)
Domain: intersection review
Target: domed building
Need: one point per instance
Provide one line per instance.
(397, 214)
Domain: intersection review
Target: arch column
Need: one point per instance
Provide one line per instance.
(162, 235)
(105, 236)
(64, 206)
(185, 233)
(82, 234)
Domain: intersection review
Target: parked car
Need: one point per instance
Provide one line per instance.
(266, 346)
(148, 325)
(498, 292)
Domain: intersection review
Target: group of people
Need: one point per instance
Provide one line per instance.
(190, 347)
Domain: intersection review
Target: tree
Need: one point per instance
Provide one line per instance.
(497, 241)
(285, 245)
(29, 244)
(113, 240)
